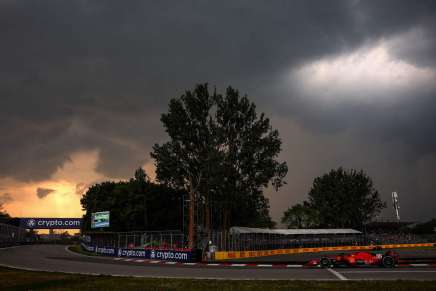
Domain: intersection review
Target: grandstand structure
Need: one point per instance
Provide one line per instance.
(253, 239)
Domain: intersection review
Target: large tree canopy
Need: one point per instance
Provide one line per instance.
(337, 199)
(221, 151)
(299, 216)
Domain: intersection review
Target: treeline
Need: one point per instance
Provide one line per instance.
(137, 204)
(220, 152)
(339, 199)
(221, 156)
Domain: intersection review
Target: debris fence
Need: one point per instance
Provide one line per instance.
(11, 235)
(137, 239)
(227, 241)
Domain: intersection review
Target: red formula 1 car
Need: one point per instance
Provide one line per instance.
(376, 258)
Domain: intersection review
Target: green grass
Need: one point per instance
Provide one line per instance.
(78, 249)
(11, 279)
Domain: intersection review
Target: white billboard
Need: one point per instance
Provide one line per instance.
(100, 219)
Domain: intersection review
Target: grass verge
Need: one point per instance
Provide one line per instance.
(78, 249)
(11, 279)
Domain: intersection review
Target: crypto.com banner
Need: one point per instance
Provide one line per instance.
(51, 223)
(154, 254)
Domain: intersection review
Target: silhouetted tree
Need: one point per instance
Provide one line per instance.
(4, 216)
(344, 199)
(223, 154)
(299, 216)
(137, 204)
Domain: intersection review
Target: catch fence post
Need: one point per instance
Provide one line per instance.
(171, 240)
(224, 241)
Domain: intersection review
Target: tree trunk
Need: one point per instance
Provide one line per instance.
(191, 229)
(207, 218)
(225, 218)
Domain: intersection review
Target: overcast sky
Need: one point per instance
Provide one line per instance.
(346, 83)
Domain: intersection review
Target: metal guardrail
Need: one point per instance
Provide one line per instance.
(224, 255)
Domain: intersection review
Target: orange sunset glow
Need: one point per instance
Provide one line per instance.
(67, 185)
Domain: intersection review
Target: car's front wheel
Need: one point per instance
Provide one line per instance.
(325, 262)
(388, 262)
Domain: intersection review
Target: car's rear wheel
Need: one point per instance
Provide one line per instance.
(388, 262)
(325, 262)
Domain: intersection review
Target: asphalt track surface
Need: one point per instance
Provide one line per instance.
(413, 255)
(55, 258)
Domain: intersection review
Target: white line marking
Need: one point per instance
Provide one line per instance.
(170, 263)
(419, 265)
(337, 274)
(146, 276)
(127, 260)
(154, 262)
(90, 255)
(213, 264)
(263, 265)
(8, 248)
(294, 266)
(189, 264)
(117, 259)
(67, 249)
(238, 265)
(370, 271)
(139, 261)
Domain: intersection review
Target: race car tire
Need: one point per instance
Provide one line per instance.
(388, 262)
(325, 262)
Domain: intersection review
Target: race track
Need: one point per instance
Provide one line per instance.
(56, 258)
(415, 255)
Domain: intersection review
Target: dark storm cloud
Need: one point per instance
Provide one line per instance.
(69, 62)
(43, 192)
(412, 122)
(81, 188)
(412, 25)
(388, 17)
(81, 75)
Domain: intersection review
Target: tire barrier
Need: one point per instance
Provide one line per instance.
(220, 255)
